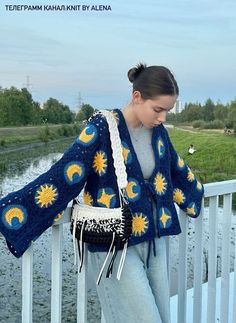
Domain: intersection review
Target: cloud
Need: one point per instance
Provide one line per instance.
(28, 46)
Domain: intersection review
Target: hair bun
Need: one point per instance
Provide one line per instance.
(134, 72)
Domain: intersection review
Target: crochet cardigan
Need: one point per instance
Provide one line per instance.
(88, 163)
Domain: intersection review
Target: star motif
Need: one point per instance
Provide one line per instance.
(191, 210)
(164, 217)
(106, 198)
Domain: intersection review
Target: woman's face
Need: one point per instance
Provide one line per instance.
(152, 112)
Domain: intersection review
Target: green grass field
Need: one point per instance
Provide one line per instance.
(215, 156)
(14, 135)
(214, 160)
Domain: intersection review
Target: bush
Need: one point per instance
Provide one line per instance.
(65, 131)
(215, 124)
(44, 134)
(3, 143)
(229, 123)
(198, 124)
(76, 129)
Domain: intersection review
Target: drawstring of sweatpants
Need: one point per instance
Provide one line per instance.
(150, 242)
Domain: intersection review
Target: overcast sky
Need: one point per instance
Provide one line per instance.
(65, 53)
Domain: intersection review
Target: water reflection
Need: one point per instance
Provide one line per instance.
(25, 171)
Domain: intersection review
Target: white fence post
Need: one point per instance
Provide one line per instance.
(27, 285)
(82, 290)
(226, 226)
(234, 287)
(56, 273)
(198, 266)
(182, 270)
(211, 302)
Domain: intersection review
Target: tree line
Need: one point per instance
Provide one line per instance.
(208, 115)
(17, 108)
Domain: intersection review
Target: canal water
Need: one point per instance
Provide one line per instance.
(10, 269)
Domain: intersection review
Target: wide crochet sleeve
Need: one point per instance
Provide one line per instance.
(187, 189)
(28, 212)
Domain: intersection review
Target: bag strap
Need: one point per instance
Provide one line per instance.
(120, 168)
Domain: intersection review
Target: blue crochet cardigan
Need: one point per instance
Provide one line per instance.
(88, 163)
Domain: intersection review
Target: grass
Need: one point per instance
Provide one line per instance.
(215, 158)
(10, 136)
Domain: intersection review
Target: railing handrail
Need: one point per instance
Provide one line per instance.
(212, 190)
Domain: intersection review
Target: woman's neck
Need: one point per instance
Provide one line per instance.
(130, 116)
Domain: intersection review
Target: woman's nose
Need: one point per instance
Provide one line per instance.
(162, 116)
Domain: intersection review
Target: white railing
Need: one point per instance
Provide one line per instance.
(212, 191)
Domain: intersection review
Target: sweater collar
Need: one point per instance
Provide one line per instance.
(125, 136)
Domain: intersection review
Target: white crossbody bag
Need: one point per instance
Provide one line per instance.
(106, 226)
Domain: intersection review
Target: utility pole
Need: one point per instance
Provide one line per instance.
(79, 101)
(27, 84)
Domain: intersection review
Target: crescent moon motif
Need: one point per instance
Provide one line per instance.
(133, 190)
(87, 136)
(126, 153)
(14, 216)
(161, 147)
(73, 172)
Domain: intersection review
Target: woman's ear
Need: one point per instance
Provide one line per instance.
(136, 97)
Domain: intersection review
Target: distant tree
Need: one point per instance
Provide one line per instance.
(16, 107)
(191, 112)
(85, 112)
(220, 112)
(208, 110)
(56, 112)
(232, 114)
(37, 113)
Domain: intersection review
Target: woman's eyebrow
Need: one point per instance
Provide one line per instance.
(163, 108)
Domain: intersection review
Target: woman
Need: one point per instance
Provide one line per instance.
(157, 177)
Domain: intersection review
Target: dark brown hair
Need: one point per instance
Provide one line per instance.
(152, 81)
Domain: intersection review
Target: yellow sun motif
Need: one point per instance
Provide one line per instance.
(164, 216)
(59, 216)
(100, 162)
(46, 195)
(87, 198)
(139, 224)
(181, 163)
(178, 196)
(160, 184)
(105, 198)
(191, 176)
